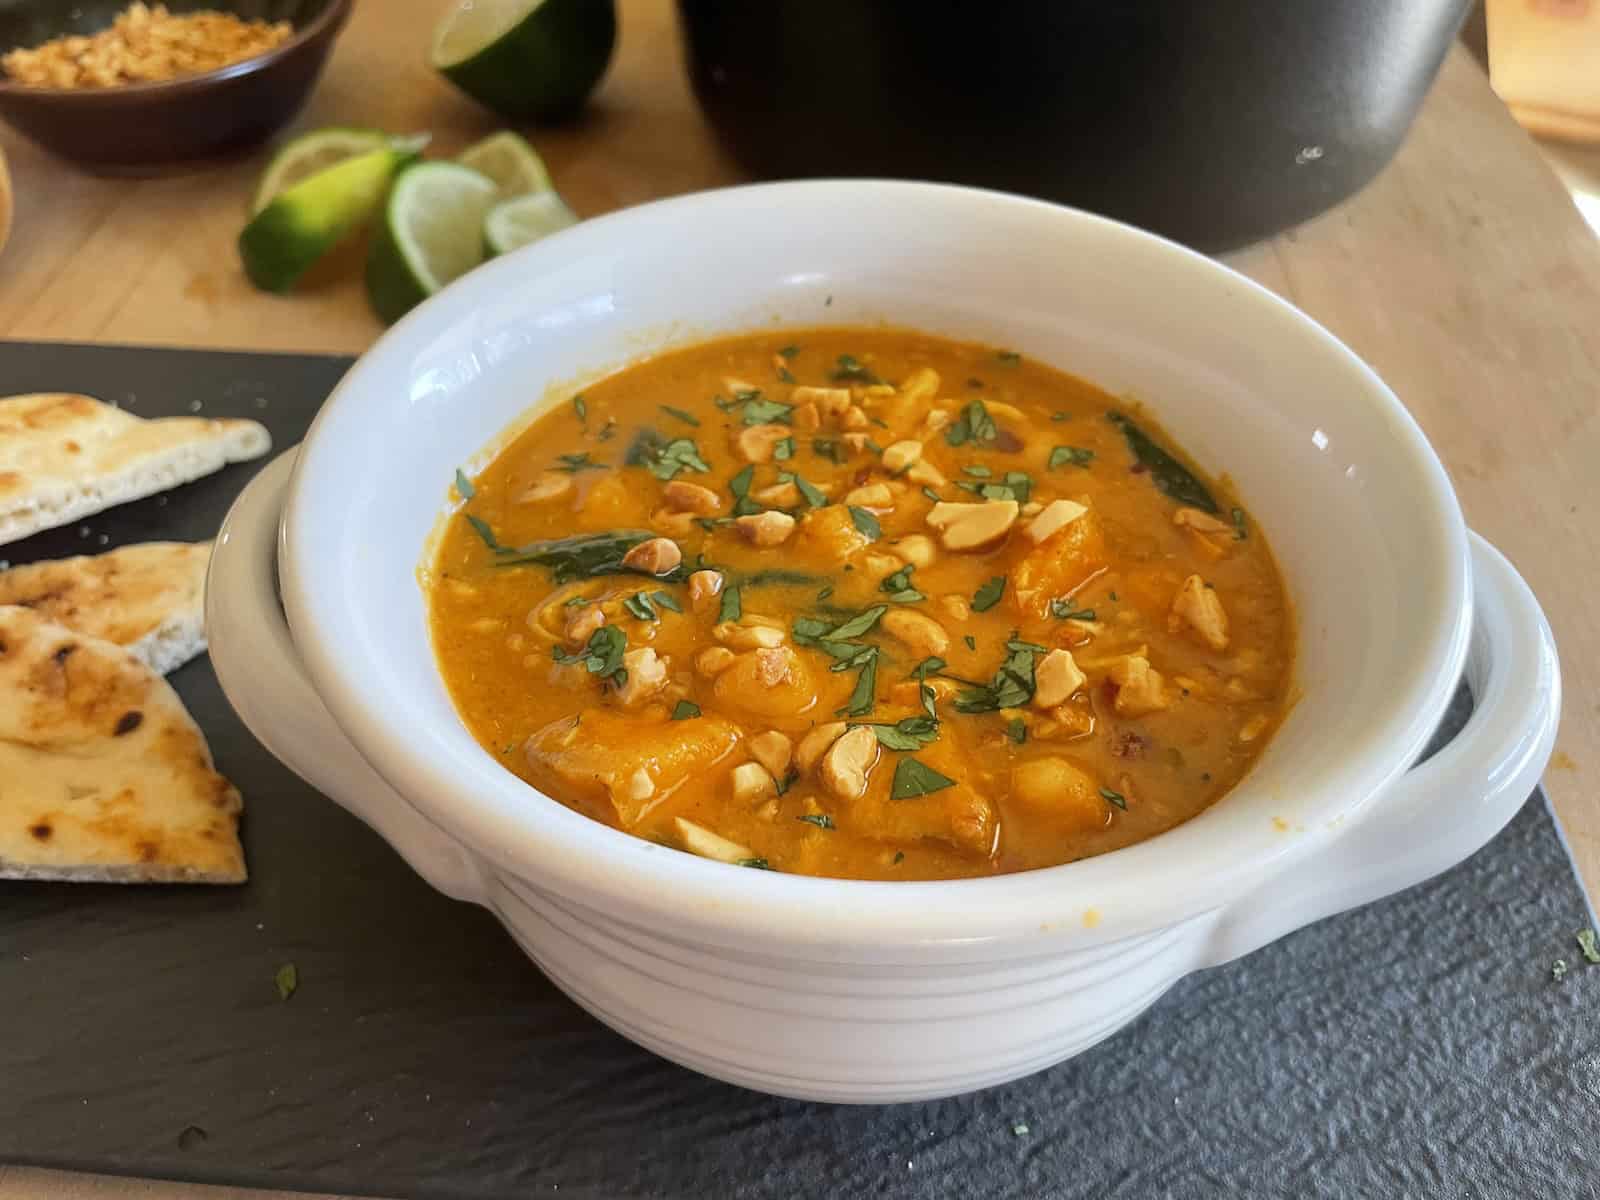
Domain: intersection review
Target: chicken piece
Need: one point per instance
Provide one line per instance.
(770, 683)
(1139, 688)
(598, 755)
(1198, 607)
(1058, 566)
(1055, 788)
(829, 535)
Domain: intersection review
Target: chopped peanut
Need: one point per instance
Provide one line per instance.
(856, 441)
(924, 472)
(917, 550)
(751, 783)
(747, 636)
(682, 496)
(736, 386)
(757, 442)
(778, 495)
(640, 785)
(713, 661)
(1055, 678)
(773, 666)
(806, 418)
(845, 765)
(774, 751)
(547, 485)
(936, 420)
(1200, 522)
(1139, 688)
(656, 556)
(673, 524)
(1198, 606)
(871, 495)
(1056, 515)
(766, 529)
(830, 402)
(899, 455)
(1251, 729)
(582, 621)
(854, 418)
(920, 634)
(973, 526)
(816, 742)
(957, 607)
(921, 386)
(704, 587)
(879, 565)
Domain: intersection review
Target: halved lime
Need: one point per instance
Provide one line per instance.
(516, 222)
(432, 232)
(526, 59)
(309, 218)
(302, 157)
(506, 158)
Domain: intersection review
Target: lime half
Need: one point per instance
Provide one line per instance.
(432, 232)
(513, 223)
(526, 59)
(506, 158)
(309, 218)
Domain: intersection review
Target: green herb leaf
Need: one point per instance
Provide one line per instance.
(758, 410)
(575, 601)
(1587, 944)
(825, 593)
(1239, 530)
(667, 601)
(1017, 730)
(732, 604)
(581, 407)
(683, 710)
(1116, 798)
(930, 493)
(727, 405)
(739, 485)
(899, 586)
(585, 555)
(1062, 610)
(481, 528)
(1060, 416)
(688, 417)
(1016, 485)
(899, 857)
(287, 980)
(931, 665)
(1007, 358)
(849, 367)
(989, 594)
(1070, 456)
(866, 522)
(820, 820)
(639, 605)
(783, 450)
(663, 458)
(913, 779)
(608, 430)
(865, 694)
(788, 352)
(808, 492)
(977, 471)
(1012, 685)
(784, 376)
(466, 491)
(908, 733)
(972, 642)
(858, 624)
(602, 655)
(975, 425)
(1166, 472)
(828, 448)
(779, 577)
(758, 864)
(573, 463)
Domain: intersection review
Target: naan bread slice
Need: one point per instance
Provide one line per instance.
(104, 777)
(148, 598)
(63, 457)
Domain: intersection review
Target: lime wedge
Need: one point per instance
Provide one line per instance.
(506, 158)
(304, 156)
(432, 232)
(516, 222)
(526, 59)
(308, 219)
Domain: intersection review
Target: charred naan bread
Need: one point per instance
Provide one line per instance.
(104, 777)
(148, 598)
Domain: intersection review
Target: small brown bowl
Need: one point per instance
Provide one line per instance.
(144, 125)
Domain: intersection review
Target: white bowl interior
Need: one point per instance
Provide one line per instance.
(1356, 508)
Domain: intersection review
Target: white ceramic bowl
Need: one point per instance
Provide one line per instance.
(855, 991)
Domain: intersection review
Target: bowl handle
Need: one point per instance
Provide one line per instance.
(1448, 807)
(259, 668)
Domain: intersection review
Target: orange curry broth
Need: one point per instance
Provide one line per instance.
(1168, 718)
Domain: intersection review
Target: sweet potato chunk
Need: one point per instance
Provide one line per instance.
(959, 816)
(1058, 566)
(600, 755)
(829, 535)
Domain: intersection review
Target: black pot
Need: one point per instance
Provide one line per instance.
(1216, 122)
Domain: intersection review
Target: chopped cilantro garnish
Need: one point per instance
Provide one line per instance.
(975, 425)
(1007, 358)
(1062, 610)
(739, 485)
(866, 522)
(788, 352)
(864, 694)
(828, 448)
(977, 471)
(602, 655)
(972, 642)
(783, 450)
(849, 367)
(899, 586)
(1012, 685)
(662, 458)
(759, 864)
(573, 463)
(1116, 798)
(989, 594)
(913, 779)
(732, 604)
(1016, 485)
(930, 493)
(1017, 731)
(684, 710)
(466, 491)
(908, 733)
(688, 417)
(581, 407)
(820, 820)
(1070, 456)
(640, 605)
(1239, 530)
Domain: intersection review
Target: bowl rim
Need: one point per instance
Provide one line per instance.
(328, 20)
(638, 882)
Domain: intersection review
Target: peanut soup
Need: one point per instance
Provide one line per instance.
(862, 603)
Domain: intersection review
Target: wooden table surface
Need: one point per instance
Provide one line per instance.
(1463, 275)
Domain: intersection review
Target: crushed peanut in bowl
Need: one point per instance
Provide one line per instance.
(145, 44)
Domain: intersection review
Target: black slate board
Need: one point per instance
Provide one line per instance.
(1418, 1047)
